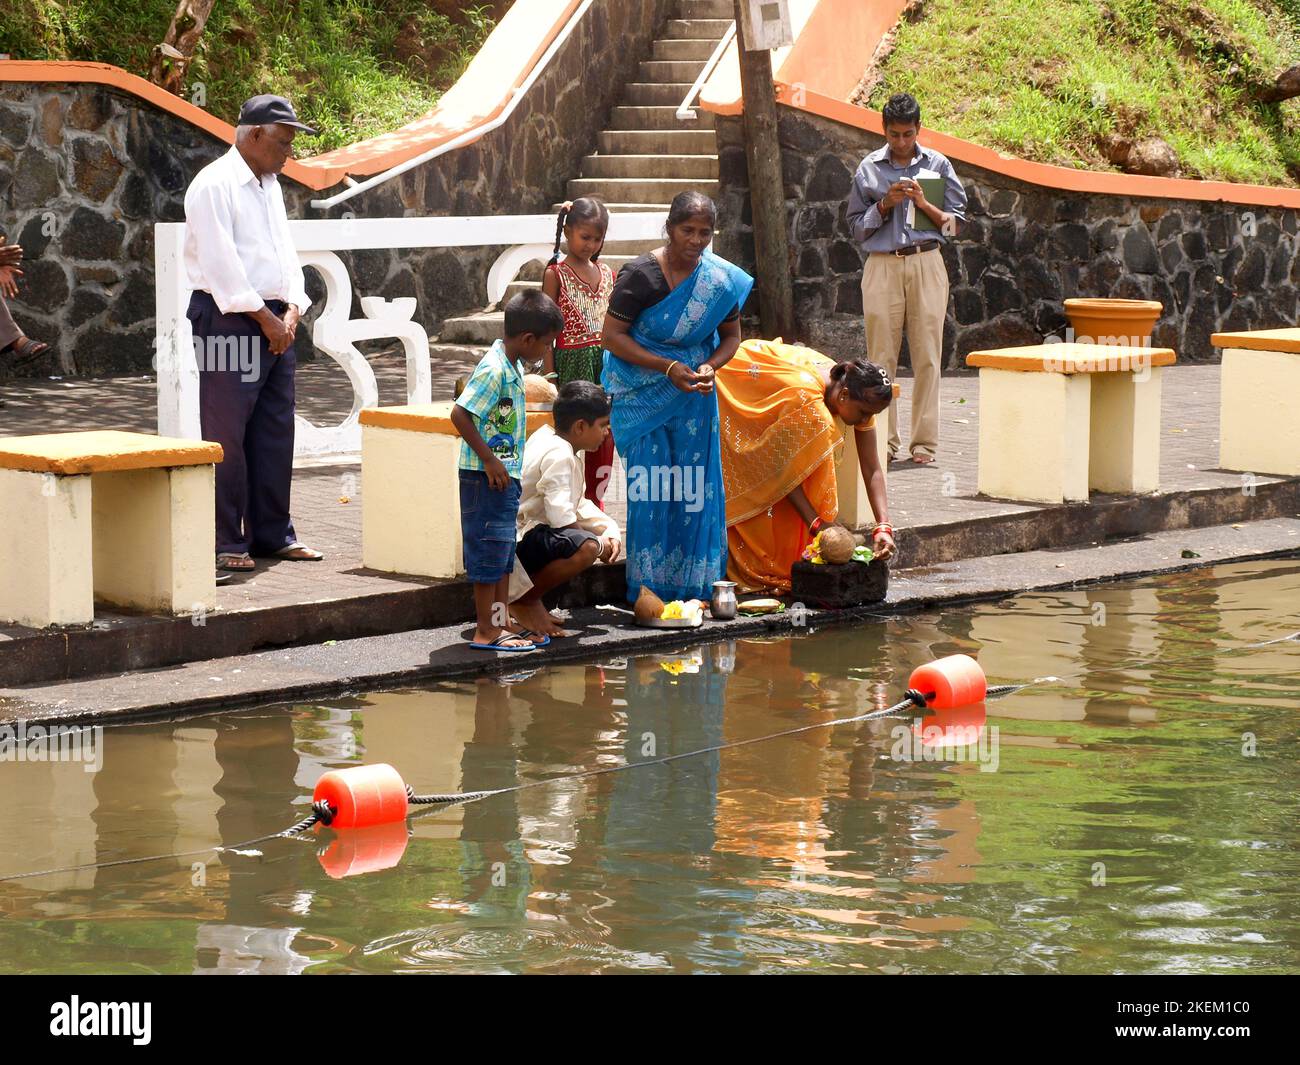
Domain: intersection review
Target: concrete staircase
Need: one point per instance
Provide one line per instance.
(644, 158)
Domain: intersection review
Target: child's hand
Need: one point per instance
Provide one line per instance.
(498, 478)
(609, 549)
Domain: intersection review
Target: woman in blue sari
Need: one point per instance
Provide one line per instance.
(673, 321)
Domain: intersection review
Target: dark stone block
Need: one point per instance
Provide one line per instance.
(1071, 208)
(88, 235)
(35, 237)
(968, 307)
(1069, 275)
(1007, 331)
(136, 199)
(1003, 203)
(794, 171)
(831, 180)
(848, 298)
(1003, 237)
(845, 257)
(44, 286)
(1219, 233)
(1050, 320)
(797, 135)
(976, 203)
(134, 304)
(1171, 255)
(1194, 244)
(807, 299)
(1267, 234)
(1171, 225)
(951, 263)
(1001, 293)
(370, 269)
(85, 305)
(974, 261)
(1161, 290)
(102, 352)
(1105, 236)
(815, 223)
(1071, 241)
(1182, 287)
(36, 179)
(1140, 251)
(1239, 318)
(1101, 277)
(1251, 273)
(973, 231)
(95, 170)
(15, 126)
(1281, 266)
(140, 249)
(1032, 240)
(1038, 207)
(1165, 335)
(837, 587)
(811, 263)
(1038, 281)
(1131, 287)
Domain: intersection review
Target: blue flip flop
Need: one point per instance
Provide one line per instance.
(528, 634)
(499, 645)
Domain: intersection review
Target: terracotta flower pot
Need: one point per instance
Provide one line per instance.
(1113, 321)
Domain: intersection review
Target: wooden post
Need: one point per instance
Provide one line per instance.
(766, 187)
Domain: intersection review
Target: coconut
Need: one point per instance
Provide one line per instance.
(836, 544)
(648, 606)
(538, 389)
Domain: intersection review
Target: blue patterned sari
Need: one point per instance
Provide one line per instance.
(668, 439)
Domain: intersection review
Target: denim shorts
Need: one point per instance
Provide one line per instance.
(543, 545)
(487, 527)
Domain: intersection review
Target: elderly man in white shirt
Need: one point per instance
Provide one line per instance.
(561, 532)
(248, 293)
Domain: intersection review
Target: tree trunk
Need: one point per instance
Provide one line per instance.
(1285, 87)
(766, 190)
(172, 58)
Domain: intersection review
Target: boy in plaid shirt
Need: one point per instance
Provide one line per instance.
(491, 420)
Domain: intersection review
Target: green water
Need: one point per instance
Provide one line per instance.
(1138, 816)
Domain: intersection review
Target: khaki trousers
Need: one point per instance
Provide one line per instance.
(911, 291)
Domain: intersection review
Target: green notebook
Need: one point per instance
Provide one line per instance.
(934, 188)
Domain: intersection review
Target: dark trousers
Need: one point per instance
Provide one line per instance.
(246, 405)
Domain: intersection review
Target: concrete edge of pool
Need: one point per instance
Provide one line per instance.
(422, 655)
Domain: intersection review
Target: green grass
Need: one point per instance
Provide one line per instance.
(1047, 80)
(353, 68)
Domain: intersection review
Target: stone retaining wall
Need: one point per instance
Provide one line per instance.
(1024, 250)
(85, 172)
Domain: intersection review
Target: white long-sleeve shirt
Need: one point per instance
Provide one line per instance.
(237, 242)
(552, 488)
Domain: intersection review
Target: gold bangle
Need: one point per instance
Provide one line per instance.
(670, 366)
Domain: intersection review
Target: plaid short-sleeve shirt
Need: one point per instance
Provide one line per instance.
(494, 398)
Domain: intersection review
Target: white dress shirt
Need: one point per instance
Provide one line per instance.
(552, 488)
(237, 242)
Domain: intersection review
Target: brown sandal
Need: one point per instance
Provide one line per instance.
(25, 349)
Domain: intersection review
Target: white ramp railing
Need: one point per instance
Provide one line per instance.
(525, 237)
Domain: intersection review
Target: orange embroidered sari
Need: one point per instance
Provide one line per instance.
(777, 435)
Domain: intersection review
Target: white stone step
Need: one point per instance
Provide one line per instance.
(676, 51)
(658, 117)
(474, 329)
(646, 190)
(710, 9)
(658, 142)
(613, 206)
(695, 29)
(644, 93)
(650, 166)
(658, 71)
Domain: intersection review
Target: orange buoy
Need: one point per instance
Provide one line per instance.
(363, 795)
(365, 850)
(956, 680)
(958, 726)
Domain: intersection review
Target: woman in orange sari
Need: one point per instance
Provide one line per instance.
(784, 411)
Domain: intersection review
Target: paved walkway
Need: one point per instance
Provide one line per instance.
(327, 494)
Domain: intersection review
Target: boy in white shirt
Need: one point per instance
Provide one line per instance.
(561, 532)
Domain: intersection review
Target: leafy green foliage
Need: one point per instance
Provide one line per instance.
(353, 68)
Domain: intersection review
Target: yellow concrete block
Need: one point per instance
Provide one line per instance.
(153, 541)
(1034, 435)
(431, 418)
(1124, 452)
(101, 451)
(1072, 358)
(45, 542)
(410, 502)
(1258, 429)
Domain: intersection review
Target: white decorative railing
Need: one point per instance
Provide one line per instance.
(526, 238)
(686, 112)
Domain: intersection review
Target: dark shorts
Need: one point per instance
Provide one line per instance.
(543, 545)
(487, 527)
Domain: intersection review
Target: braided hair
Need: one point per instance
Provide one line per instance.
(586, 209)
(864, 381)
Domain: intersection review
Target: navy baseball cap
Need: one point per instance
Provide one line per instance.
(267, 109)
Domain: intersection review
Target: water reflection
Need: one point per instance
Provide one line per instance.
(889, 845)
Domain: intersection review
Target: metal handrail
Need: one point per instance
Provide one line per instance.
(469, 136)
(686, 111)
